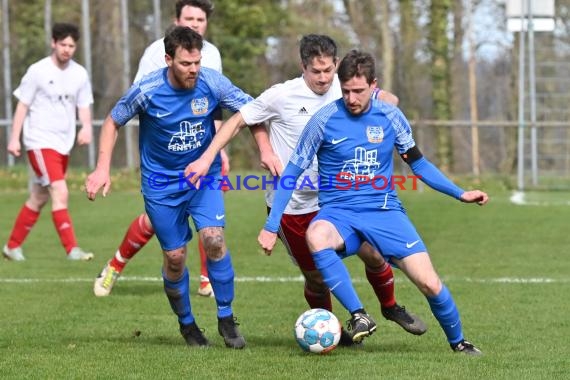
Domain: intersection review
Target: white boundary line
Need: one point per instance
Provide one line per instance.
(519, 198)
(499, 280)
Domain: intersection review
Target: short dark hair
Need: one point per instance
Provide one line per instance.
(357, 64)
(184, 37)
(205, 5)
(62, 30)
(317, 45)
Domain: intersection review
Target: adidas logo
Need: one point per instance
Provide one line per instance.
(64, 226)
(303, 111)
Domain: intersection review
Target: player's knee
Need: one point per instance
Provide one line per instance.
(214, 245)
(430, 287)
(38, 201)
(316, 236)
(60, 196)
(175, 260)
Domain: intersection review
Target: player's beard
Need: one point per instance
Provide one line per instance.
(185, 81)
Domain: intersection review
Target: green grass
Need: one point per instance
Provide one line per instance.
(54, 328)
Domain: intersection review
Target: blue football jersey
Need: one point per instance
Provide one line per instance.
(176, 125)
(355, 153)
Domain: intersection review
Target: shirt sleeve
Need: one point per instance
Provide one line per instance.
(230, 96)
(28, 87)
(152, 59)
(130, 104)
(85, 93)
(261, 108)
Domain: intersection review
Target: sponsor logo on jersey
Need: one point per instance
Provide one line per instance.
(303, 111)
(199, 106)
(375, 134)
(189, 137)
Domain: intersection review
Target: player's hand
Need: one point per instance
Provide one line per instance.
(272, 163)
(95, 181)
(84, 136)
(15, 148)
(197, 170)
(475, 196)
(267, 241)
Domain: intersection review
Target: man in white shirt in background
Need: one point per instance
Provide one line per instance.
(48, 96)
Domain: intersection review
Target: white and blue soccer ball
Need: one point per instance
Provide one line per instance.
(317, 331)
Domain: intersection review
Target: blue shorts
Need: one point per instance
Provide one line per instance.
(169, 216)
(389, 231)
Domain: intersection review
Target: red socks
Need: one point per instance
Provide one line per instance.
(318, 300)
(136, 237)
(64, 228)
(24, 223)
(383, 284)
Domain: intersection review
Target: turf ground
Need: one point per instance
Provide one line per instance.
(506, 265)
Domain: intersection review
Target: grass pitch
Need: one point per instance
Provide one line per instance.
(506, 265)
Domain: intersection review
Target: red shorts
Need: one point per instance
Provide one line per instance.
(48, 165)
(292, 231)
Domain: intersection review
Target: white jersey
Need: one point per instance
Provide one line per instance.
(288, 107)
(153, 58)
(52, 95)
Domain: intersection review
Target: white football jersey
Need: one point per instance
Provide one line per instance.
(52, 95)
(153, 58)
(288, 107)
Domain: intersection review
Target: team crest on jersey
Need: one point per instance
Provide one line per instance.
(375, 134)
(199, 106)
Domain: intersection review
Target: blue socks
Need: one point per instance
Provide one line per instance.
(445, 311)
(337, 278)
(179, 297)
(221, 274)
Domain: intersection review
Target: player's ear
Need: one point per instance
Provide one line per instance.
(168, 60)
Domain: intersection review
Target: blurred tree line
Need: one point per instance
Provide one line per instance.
(421, 46)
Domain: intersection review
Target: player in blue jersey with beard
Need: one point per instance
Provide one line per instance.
(346, 136)
(175, 106)
(353, 139)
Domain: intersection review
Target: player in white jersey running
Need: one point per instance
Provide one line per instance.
(49, 94)
(195, 15)
(287, 107)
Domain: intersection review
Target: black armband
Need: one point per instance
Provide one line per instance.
(217, 114)
(411, 155)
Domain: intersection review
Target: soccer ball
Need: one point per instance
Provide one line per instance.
(317, 331)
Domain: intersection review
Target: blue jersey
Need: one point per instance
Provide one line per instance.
(355, 153)
(176, 125)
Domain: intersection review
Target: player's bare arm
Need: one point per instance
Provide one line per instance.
(100, 177)
(269, 160)
(85, 134)
(228, 130)
(14, 145)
